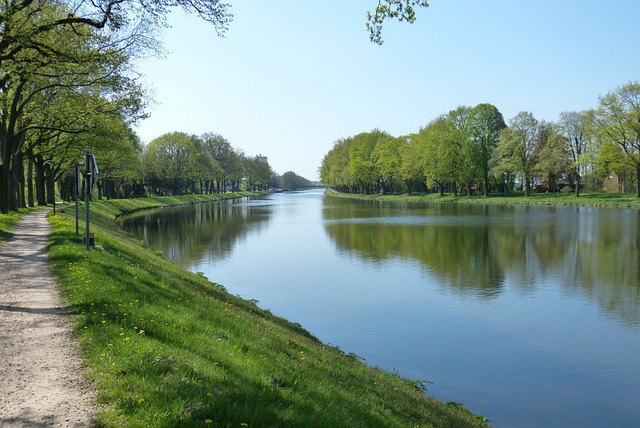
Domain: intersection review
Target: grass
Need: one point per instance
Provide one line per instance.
(605, 200)
(169, 348)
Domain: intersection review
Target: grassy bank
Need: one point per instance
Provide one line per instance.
(168, 348)
(605, 200)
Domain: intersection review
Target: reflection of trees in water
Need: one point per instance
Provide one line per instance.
(185, 234)
(590, 252)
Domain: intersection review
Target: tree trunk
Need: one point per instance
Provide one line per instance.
(50, 185)
(577, 192)
(30, 197)
(40, 195)
(17, 171)
(527, 186)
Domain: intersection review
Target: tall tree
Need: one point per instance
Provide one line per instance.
(410, 170)
(169, 163)
(438, 146)
(485, 124)
(618, 120)
(574, 127)
(362, 162)
(334, 170)
(387, 159)
(554, 157)
(519, 148)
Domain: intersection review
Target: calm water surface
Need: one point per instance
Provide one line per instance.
(527, 315)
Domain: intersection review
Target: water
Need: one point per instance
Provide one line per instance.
(527, 315)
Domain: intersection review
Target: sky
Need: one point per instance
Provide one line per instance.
(292, 77)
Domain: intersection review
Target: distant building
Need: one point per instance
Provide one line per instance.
(613, 184)
(262, 159)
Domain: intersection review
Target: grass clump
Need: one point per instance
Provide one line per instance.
(168, 348)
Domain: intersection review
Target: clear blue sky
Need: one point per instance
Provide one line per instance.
(291, 77)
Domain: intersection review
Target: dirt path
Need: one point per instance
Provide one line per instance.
(42, 379)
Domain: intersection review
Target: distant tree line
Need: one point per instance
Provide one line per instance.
(292, 181)
(472, 149)
(177, 163)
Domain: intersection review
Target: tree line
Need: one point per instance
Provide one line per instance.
(473, 149)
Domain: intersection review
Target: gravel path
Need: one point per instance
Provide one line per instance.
(42, 379)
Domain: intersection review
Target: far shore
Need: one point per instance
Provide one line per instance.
(601, 200)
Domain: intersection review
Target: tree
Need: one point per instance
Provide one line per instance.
(292, 181)
(58, 77)
(618, 120)
(574, 128)
(554, 158)
(402, 10)
(485, 124)
(220, 149)
(362, 162)
(442, 144)
(169, 163)
(387, 160)
(519, 151)
(334, 170)
(410, 170)
(258, 172)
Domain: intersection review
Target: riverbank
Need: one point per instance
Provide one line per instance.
(602, 200)
(167, 348)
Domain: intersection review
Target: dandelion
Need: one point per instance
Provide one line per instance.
(209, 394)
(244, 424)
(141, 332)
(187, 414)
(140, 400)
(208, 421)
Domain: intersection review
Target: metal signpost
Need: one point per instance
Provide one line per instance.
(51, 172)
(91, 174)
(76, 193)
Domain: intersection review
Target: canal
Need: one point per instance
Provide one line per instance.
(527, 315)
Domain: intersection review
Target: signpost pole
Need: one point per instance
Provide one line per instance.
(76, 191)
(87, 196)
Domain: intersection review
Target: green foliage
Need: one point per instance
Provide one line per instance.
(362, 159)
(292, 181)
(170, 162)
(485, 124)
(519, 148)
(618, 120)
(402, 10)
